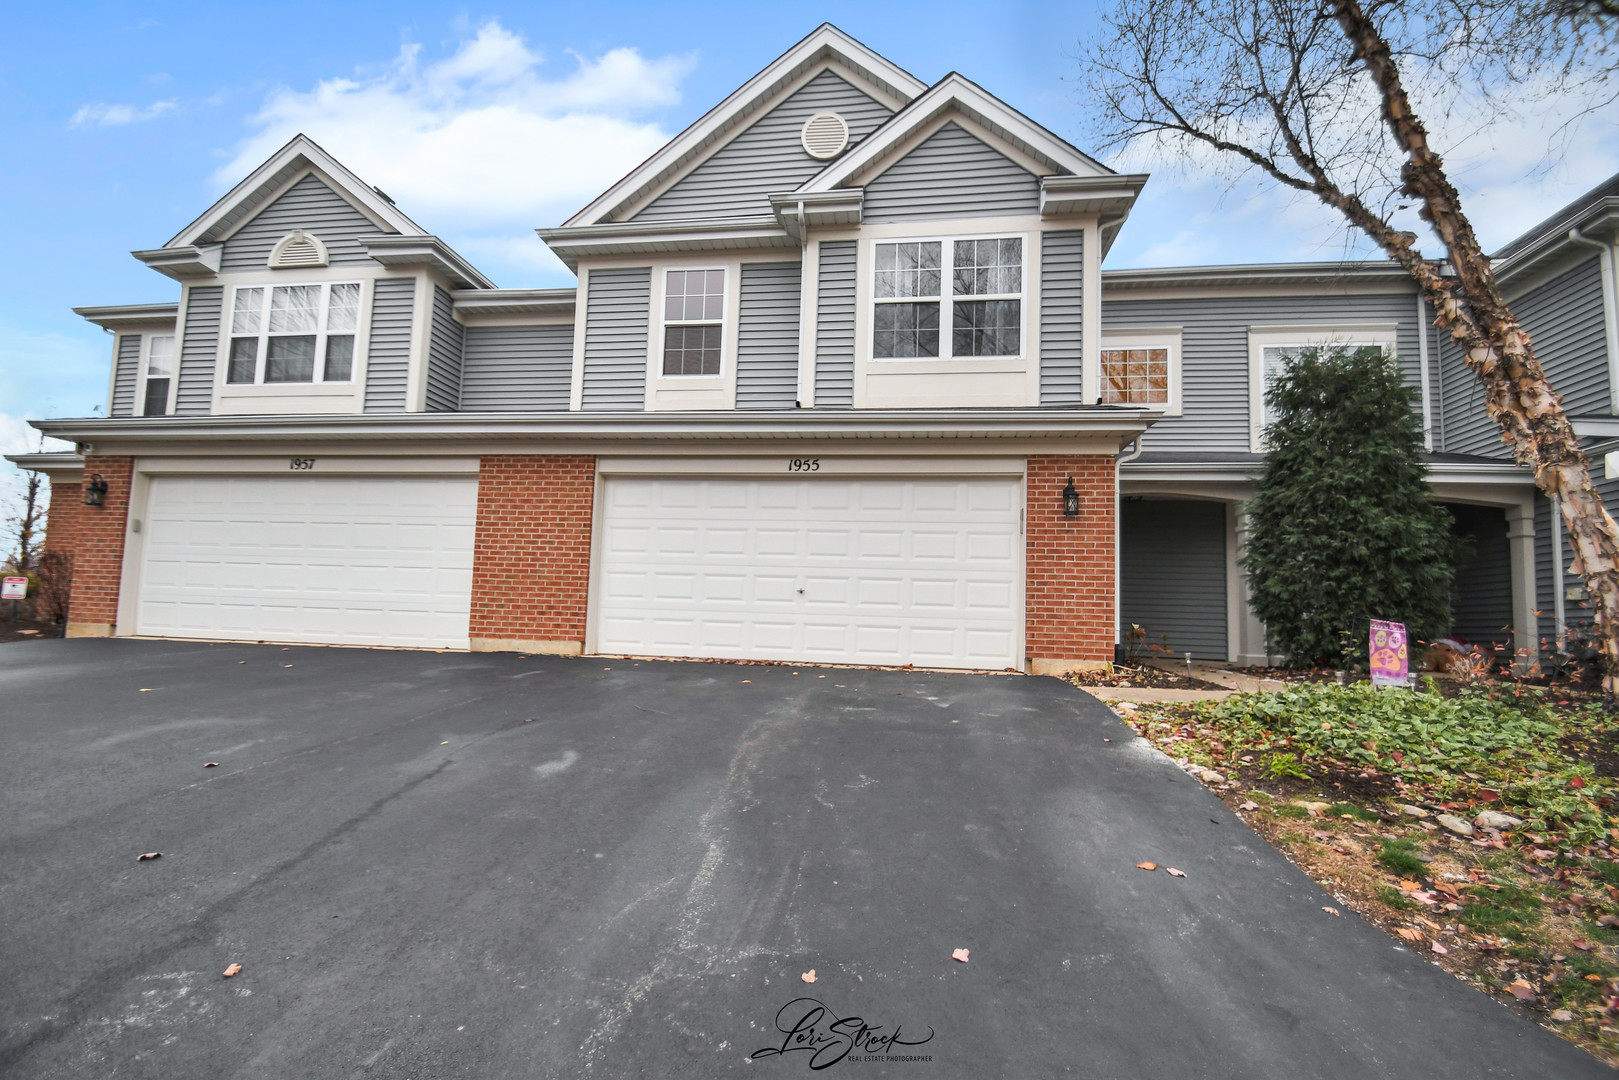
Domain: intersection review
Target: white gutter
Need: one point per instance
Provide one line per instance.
(1610, 312)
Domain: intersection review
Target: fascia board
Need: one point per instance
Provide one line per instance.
(1124, 424)
(514, 301)
(183, 262)
(129, 315)
(736, 107)
(980, 107)
(1109, 196)
(571, 243)
(1602, 215)
(1191, 277)
(392, 250)
(300, 152)
(58, 465)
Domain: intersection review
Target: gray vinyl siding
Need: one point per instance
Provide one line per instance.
(1577, 613)
(834, 325)
(125, 375)
(199, 350)
(1481, 594)
(444, 356)
(1214, 354)
(308, 205)
(517, 368)
(387, 368)
(951, 174)
(737, 179)
(1062, 317)
(767, 336)
(617, 315)
(1172, 574)
(1564, 319)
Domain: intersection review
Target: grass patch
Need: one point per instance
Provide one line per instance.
(1400, 857)
(1359, 813)
(1290, 810)
(1508, 910)
(1394, 898)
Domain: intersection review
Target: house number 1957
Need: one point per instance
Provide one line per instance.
(302, 464)
(804, 464)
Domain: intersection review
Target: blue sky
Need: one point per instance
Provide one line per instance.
(125, 121)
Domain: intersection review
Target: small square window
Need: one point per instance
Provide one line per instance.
(1135, 376)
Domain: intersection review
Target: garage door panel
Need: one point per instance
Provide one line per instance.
(860, 571)
(344, 560)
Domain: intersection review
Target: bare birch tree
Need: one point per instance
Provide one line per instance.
(1317, 96)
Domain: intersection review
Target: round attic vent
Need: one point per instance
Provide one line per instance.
(825, 135)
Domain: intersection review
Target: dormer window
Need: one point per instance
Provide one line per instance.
(297, 250)
(293, 333)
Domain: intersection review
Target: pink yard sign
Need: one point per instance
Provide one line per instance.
(1389, 655)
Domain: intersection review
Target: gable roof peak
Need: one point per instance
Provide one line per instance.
(713, 128)
(300, 154)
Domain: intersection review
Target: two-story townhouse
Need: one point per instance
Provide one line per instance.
(819, 396)
(834, 356)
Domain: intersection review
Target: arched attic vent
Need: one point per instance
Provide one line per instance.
(297, 249)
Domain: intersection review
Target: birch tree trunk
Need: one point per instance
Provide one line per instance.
(1495, 346)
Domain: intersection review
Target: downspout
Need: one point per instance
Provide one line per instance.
(1422, 368)
(1559, 613)
(1610, 312)
(1118, 504)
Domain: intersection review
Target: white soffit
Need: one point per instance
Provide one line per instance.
(967, 101)
(715, 127)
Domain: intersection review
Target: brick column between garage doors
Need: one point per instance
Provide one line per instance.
(97, 536)
(531, 553)
(1069, 620)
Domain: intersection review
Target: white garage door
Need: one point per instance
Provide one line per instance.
(369, 560)
(924, 572)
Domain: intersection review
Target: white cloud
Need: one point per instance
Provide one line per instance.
(487, 143)
(104, 115)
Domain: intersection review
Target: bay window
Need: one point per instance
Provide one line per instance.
(293, 333)
(985, 298)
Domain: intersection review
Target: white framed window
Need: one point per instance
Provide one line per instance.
(293, 333)
(1142, 367)
(693, 321)
(157, 372)
(947, 298)
(1270, 346)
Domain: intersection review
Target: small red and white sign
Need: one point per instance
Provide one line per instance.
(14, 588)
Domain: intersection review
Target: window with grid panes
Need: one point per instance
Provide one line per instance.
(985, 298)
(1135, 376)
(693, 321)
(293, 333)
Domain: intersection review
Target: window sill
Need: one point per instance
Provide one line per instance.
(251, 390)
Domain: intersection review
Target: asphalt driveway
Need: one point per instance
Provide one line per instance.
(450, 865)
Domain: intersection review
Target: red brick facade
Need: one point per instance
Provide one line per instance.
(531, 555)
(1070, 570)
(97, 534)
(66, 511)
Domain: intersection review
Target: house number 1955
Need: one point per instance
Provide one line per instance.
(804, 464)
(302, 464)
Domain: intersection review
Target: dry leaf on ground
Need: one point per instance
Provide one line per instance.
(959, 954)
(149, 855)
(1409, 934)
(1146, 866)
(1172, 872)
(234, 969)
(1332, 911)
(808, 976)
(210, 764)
(1521, 989)
(1440, 949)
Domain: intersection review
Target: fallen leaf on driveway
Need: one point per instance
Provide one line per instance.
(1332, 911)
(747, 680)
(1172, 872)
(959, 954)
(1409, 934)
(1146, 866)
(149, 855)
(210, 764)
(234, 969)
(147, 689)
(1440, 949)
(1521, 989)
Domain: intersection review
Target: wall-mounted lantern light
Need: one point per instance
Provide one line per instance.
(1070, 500)
(95, 489)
